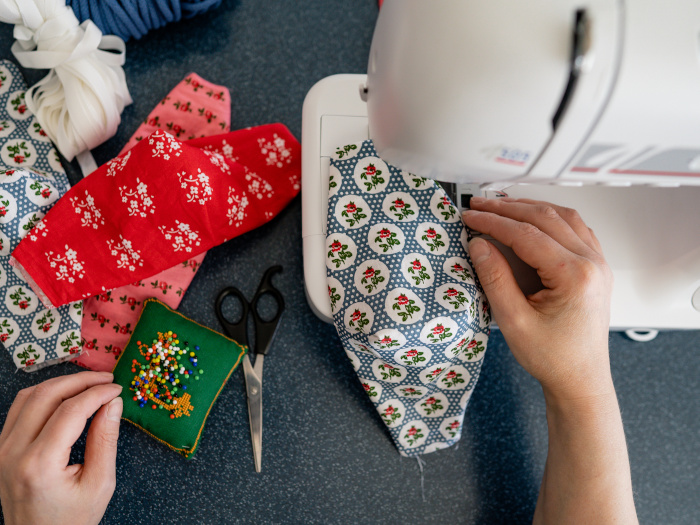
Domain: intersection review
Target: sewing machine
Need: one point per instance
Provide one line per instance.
(593, 106)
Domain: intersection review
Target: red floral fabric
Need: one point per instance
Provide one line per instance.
(158, 205)
(194, 108)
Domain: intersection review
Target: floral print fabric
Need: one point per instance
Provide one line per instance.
(253, 174)
(194, 108)
(408, 309)
(31, 181)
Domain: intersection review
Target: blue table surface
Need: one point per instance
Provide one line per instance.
(327, 457)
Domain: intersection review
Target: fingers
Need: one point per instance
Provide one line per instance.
(66, 424)
(46, 397)
(15, 409)
(99, 470)
(564, 225)
(507, 301)
(531, 244)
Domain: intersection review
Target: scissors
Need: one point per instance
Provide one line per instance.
(264, 334)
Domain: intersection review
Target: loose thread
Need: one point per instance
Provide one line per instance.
(421, 463)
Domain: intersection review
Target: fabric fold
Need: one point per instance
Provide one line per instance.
(158, 205)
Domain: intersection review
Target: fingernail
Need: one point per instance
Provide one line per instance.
(107, 374)
(114, 409)
(479, 250)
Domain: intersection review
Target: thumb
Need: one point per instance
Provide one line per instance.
(99, 470)
(507, 301)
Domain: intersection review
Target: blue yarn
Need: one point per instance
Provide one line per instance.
(134, 18)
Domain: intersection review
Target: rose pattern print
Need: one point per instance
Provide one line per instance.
(388, 270)
(32, 181)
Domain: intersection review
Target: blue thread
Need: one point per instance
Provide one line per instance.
(134, 18)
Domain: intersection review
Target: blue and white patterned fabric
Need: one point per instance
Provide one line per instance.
(411, 316)
(31, 181)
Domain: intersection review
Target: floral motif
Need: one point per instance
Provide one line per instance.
(453, 428)
(371, 279)
(127, 256)
(182, 235)
(455, 297)
(358, 320)
(405, 307)
(122, 329)
(370, 390)
(198, 188)
(446, 209)
(20, 299)
(387, 371)
(90, 215)
(418, 272)
(390, 415)
(99, 319)
(117, 164)
(386, 239)
(413, 356)
(28, 356)
(130, 301)
(18, 104)
(412, 435)
(71, 344)
(472, 349)
(432, 239)
(387, 342)
(167, 146)
(258, 186)
(338, 253)
(140, 202)
(334, 297)
(5, 330)
(439, 333)
(371, 177)
(19, 152)
(69, 267)
(460, 271)
(410, 391)
(452, 378)
(401, 209)
(432, 405)
(276, 152)
(218, 160)
(39, 229)
(236, 213)
(41, 190)
(46, 321)
(33, 221)
(353, 214)
(162, 286)
(345, 150)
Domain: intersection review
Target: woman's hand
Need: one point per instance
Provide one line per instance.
(36, 483)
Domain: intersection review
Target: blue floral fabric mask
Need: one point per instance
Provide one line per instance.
(31, 181)
(411, 316)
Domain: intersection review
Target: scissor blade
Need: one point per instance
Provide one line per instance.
(253, 383)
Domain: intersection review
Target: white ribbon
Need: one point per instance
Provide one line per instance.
(79, 103)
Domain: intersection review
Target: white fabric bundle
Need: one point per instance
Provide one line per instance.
(79, 103)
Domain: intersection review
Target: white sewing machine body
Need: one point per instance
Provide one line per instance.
(595, 108)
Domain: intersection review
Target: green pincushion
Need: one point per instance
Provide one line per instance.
(172, 371)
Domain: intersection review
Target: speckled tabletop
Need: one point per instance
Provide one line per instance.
(327, 457)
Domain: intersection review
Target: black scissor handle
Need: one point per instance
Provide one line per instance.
(265, 330)
(237, 331)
